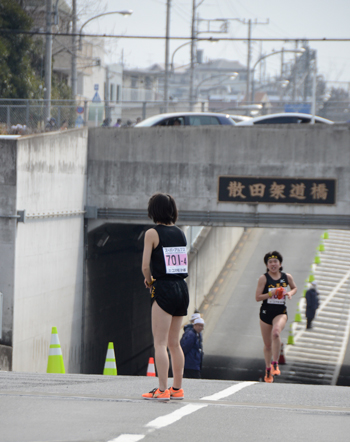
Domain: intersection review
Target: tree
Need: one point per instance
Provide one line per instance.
(17, 78)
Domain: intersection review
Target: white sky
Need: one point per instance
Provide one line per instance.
(290, 19)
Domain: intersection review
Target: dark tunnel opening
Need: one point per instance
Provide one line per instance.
(117, 305)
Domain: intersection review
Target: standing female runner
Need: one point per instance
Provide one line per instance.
(271, 290)
(164, 266)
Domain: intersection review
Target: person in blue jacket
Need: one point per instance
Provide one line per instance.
(192, 346)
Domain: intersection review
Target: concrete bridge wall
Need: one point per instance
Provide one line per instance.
(126, 166)
(42, 276)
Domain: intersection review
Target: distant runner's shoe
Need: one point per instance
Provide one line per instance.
(176, 394)
(275, 370)
(157, 395)
(268, 377)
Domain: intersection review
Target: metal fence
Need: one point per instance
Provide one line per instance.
(29, 116)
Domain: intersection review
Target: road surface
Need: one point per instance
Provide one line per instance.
(91, 408)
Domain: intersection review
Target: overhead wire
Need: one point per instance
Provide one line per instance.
(162, 37)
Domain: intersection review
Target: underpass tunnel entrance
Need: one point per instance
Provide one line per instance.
(117, 306)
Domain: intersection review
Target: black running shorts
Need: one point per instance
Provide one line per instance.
(171, 296)
(267, 314)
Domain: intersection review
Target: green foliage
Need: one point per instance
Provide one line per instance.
(17, 78)
(21, 57)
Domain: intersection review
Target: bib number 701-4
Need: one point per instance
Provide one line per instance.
(175, 259)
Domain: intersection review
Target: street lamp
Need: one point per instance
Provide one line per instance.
(74, 49)
(172, 57)
(211, 39)
(125, 13)
(295, 51)
(232, 76)
(193, 40)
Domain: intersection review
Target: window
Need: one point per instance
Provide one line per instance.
(134, 81)
(279, 120)
(174, 121)
(112, 92)
(80, 84)
(202, 120)
(148, 83)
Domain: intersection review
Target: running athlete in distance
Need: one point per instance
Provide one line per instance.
(272, 291)
(164, 266)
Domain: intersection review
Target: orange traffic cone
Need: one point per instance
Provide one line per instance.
(150, 369)
(282, 360)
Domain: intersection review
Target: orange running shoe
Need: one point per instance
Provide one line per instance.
(176, 394)
(268, 377)
(275, 370)
(157, 395)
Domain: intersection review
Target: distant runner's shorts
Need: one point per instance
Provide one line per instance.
(171, 296)
(267, 314)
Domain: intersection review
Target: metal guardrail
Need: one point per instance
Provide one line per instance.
(235, 218)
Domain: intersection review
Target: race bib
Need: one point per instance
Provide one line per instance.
(275, 300)
(175, 259)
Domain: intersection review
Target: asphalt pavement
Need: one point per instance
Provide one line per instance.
(90, 408)
(233, 347)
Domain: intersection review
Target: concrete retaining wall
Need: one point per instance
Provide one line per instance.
(207, 260)
(49, 248)
(7, 246)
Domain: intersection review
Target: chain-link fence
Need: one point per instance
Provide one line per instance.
(33, 116)
(30, 116)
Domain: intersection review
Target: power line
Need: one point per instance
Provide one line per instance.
(160, 37)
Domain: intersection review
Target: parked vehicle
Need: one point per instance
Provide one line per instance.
(187, 119)
(284, 118)
(239, 118)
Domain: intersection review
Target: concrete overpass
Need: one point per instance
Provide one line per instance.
(70, 187)
(125, 167)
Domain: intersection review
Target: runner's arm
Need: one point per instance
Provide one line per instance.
(292, 286)
(151, 238)
(259, 295)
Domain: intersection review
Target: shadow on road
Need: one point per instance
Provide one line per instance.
(231, 368)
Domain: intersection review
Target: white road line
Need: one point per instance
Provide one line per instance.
(128, 438)
(164, 421)
(168, 419)
(227, 392)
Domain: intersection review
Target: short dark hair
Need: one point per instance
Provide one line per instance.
(162, 208)
(274, 254)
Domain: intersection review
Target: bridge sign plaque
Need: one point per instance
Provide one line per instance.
(237, 189)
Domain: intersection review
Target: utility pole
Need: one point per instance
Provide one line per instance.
(248, 61)
(295, 72)
(314, 86)
(193, 36)
(249, 23)
(48, 59)
(166, 79)
(74, 50)
(307, 72)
